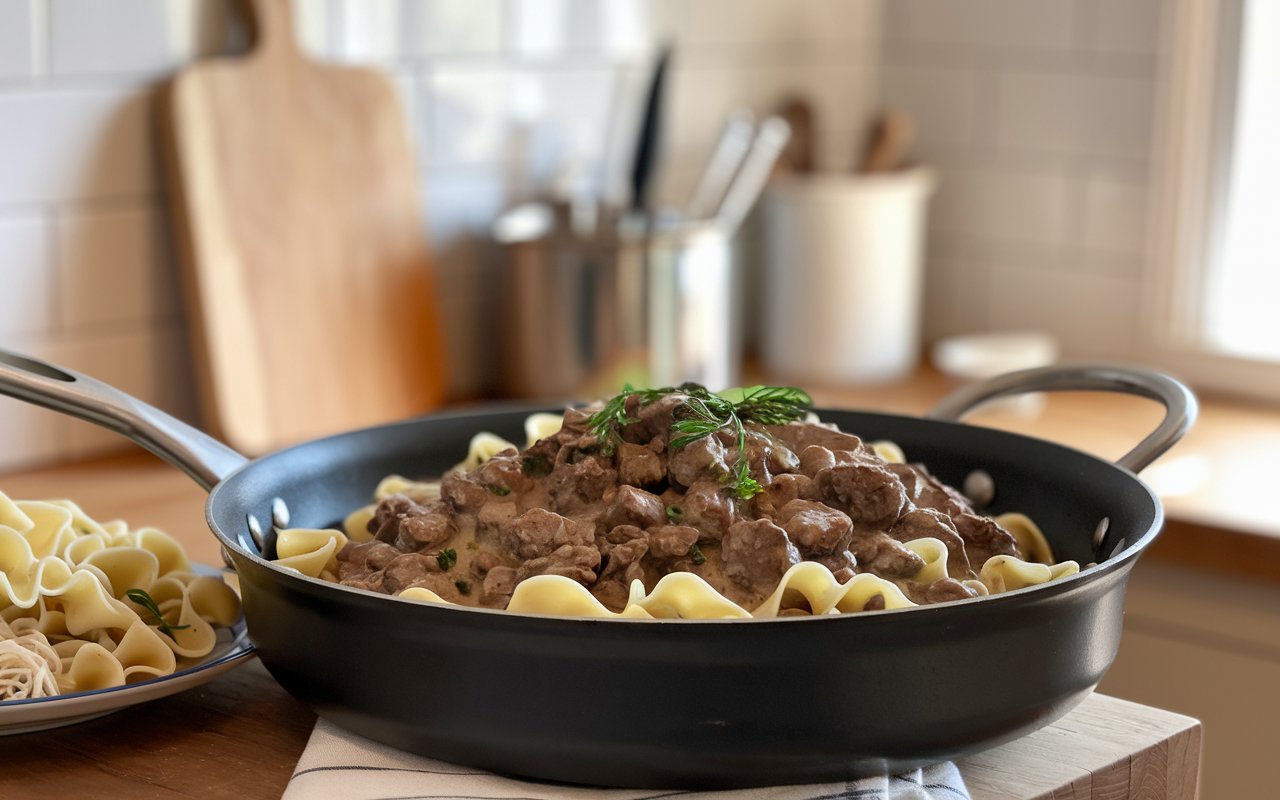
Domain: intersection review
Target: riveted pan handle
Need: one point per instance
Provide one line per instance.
(1179, 403)
(199, 455)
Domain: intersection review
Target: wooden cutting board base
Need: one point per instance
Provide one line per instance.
(308, 280)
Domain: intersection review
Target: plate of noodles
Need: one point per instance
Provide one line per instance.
(96, 617)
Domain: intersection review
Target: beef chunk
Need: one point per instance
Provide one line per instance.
(417, 533)
(871, 495)
(946, 589)
(573, 487)
(778, 492)
(926, 491)
(632, 506)
(815, 528)
(767, 456)
(385, 523)
(572, 561)
(706, 507)
(842, 565)
(499, 583)
(640, 466)
(613, 595)
(983, 538)
(802, 435)
(463, 492)
(814, 459)
(483, 562)
(672, 541)
(504, 474)
(926, 522)
(621, 562)
(408, 569)
(368, 556)
(885, 557)
(696, 460)
(537, 533)
(651, 419)
(756, 554)
(620, 534)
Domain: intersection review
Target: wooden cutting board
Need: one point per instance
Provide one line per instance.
(308, 281)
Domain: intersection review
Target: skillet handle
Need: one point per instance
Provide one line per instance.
(1179, 403)
(199, 455)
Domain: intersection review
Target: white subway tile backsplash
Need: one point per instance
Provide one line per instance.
(144, 35)
(26, 276)
(563, 117)
(942, 102)
(1024, 24)
(149, 362)
(1090, 314)
(31, 435)
(754, 22)
(18, 44)
(1115, 215)
(1085, 114)
(469, 110)
(114, 268)
(61, 145)
(1130, 26)
(394, 30)
(1017, 206)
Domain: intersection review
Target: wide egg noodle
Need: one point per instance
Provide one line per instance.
(311, 551)
(1006, 573)
(484, 446)
(935, 554)
(142, 651)
(64, 578)
(540, 426)
(1032, 542)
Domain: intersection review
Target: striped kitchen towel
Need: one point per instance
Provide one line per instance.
(338, 765)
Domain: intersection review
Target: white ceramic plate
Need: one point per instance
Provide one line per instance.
(25, 716)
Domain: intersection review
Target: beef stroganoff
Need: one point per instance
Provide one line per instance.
(680, 503)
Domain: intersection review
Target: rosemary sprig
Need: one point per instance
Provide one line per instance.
(704, 413)
(143, 599)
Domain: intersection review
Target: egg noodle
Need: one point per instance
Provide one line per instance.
(806, 587)
(69, 616)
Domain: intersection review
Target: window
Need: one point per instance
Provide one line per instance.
(1217, 316)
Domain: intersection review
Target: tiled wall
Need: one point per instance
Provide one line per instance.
(86, 266)
(1038, 114)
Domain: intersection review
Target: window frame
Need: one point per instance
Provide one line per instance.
(1194, 121)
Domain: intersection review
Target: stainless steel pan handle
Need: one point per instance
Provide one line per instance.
(199, 455)
(1179, 403)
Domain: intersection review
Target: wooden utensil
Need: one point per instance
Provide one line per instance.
(308, 280)
(886, 148)
(799, 154)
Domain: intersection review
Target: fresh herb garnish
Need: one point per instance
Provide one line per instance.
(464, 587)
(447, 558)
(536, 466)
(143, 599)
(674, 513)
(499, 490)
(695, 554)
(704, 413)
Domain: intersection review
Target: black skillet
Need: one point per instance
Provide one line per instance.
(674, 703)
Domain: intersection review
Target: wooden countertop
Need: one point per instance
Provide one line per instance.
(240, 735)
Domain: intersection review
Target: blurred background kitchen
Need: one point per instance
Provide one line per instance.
(1086, 174)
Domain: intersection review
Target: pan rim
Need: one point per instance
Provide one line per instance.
(1119, 561)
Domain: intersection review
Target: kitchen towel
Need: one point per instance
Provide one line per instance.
(337, 765)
